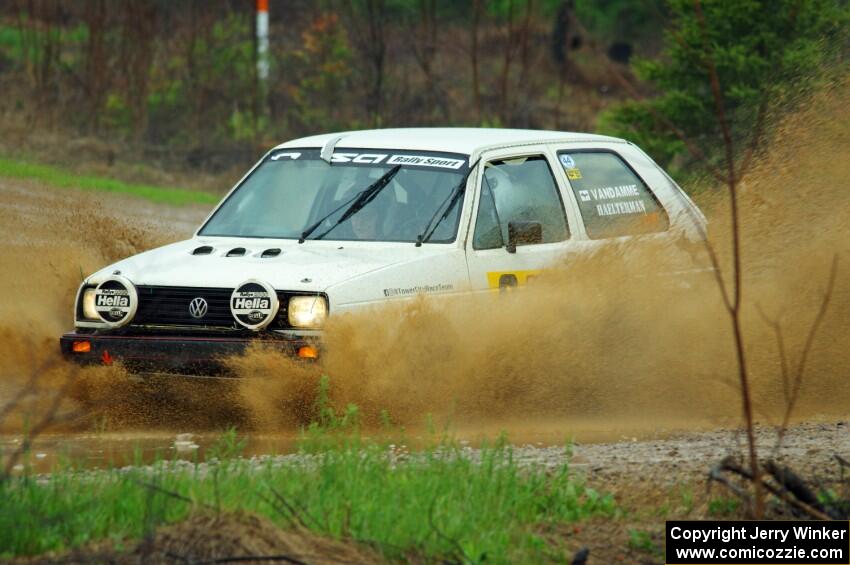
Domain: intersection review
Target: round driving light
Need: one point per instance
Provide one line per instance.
(115, 301)
(307, 311)
(254, 304)
(89, 311)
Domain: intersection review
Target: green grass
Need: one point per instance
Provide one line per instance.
(722, 506)
(436, 503)
(643, 541)
(60, 178)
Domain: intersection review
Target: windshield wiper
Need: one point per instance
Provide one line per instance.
(358, 201)
(453, 198)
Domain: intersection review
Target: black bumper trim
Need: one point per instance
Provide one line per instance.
(182, 355)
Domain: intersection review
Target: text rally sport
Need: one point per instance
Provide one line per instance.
(726, 535)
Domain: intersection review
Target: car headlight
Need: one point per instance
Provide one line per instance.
(89, 312)
(307, 311)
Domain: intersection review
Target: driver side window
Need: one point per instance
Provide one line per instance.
(519, 191)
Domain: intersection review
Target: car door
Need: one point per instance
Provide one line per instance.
(520, 224)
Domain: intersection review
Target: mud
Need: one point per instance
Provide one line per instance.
(598, 343)
(53, 238)
(224, 537)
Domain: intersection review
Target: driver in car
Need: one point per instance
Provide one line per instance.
(365, 223)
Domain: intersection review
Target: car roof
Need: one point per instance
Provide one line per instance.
(451, 140)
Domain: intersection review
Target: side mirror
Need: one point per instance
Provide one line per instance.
(523, 233)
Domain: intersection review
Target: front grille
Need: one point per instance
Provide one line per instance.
(169, 306)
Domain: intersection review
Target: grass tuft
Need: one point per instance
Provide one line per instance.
(60, 178)
(437, 502)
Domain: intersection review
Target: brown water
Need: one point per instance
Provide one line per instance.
(101, 449)
(595, 350)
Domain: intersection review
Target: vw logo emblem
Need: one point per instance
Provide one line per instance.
(198, 307)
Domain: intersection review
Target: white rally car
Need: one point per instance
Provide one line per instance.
(330, 223)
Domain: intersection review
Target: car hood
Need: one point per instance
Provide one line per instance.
(313, 266)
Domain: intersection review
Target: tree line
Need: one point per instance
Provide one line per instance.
(181, 77)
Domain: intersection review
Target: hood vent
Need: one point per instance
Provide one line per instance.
(202, 250)
(269, 253)
(236, 252)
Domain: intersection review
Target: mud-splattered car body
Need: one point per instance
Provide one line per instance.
(333, 223)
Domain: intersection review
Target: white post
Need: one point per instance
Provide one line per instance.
(263, 40)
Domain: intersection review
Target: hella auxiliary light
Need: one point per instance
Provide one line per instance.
(307, 311)
(254, 304)
(114, 302)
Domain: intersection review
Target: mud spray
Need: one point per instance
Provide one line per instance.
(598, 343)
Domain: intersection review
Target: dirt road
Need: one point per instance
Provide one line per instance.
(35, 215)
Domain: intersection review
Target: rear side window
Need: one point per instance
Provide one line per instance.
(613, 200)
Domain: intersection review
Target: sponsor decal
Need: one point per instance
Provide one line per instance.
(425, 161)
(618, 200)
(422, 289)
(372, 158)
(620, 208)
(362, 158)
(279, 156)
(508, 280)
(568, 162)
(254, 304)
(115, 301)
(614, 192)
(413, 160)
(112, 299)
(249, 300)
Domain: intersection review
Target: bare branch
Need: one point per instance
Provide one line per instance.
(780, 491)
(787, 498)
(795, 485)
(172, 494)
(810, 339)
(780, 346)
(242, 558)
(737, 286)
(716, 475)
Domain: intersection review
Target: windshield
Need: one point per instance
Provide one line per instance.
(294, 188)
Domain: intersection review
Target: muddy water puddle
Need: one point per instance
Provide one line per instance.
(118, 449)
(101, 450)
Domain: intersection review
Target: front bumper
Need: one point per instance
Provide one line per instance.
(182, 355)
